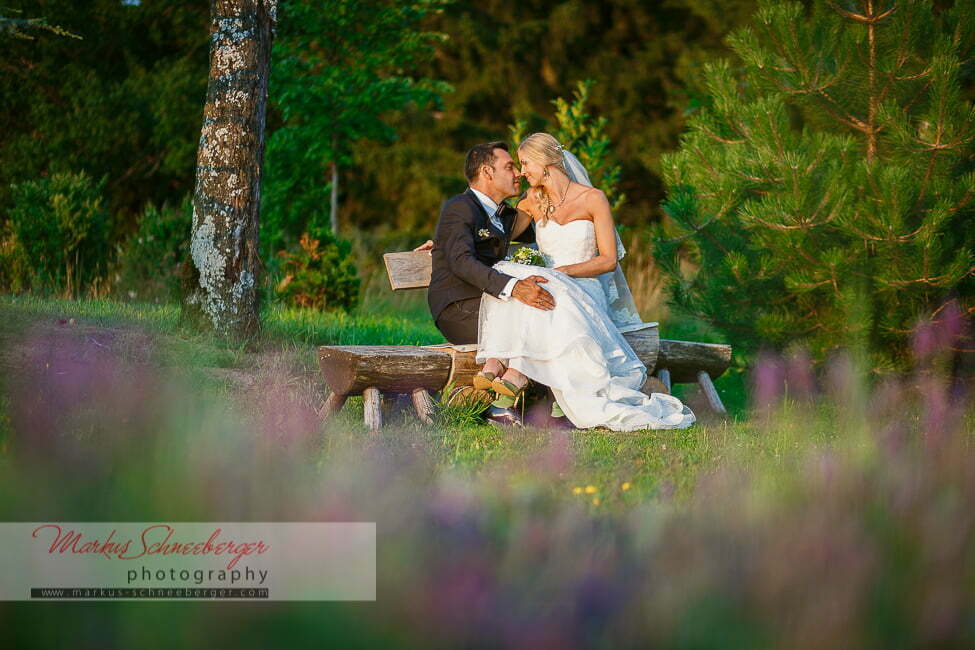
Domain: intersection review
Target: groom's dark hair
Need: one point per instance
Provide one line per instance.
(481, 154)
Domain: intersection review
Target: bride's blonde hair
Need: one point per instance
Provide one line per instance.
(546, 151)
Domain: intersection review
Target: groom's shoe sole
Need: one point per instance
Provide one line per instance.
(503, 417)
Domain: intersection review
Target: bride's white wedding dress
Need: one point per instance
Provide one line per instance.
(575, 349)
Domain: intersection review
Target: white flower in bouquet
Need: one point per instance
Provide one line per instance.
(526, 255)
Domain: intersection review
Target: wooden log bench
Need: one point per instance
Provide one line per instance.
(375, 370)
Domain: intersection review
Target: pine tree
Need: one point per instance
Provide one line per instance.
(825, 193)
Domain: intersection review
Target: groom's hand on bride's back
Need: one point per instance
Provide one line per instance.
(528, 292)
(425, 246)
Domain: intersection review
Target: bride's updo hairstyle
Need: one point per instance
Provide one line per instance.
(546, 151)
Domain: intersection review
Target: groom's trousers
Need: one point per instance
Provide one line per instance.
(458, 321)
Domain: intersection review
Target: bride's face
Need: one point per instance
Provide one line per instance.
(532, 171)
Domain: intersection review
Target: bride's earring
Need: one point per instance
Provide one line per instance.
(545, 173)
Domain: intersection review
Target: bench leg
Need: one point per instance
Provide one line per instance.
(423, 404)
(664, 375)
(333, 404)
(372, 408)
(704, 381)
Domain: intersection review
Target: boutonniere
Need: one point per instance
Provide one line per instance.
(483, 233)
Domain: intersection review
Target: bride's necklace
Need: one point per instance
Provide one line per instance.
(551, 207)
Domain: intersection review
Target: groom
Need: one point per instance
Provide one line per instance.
(473, 233)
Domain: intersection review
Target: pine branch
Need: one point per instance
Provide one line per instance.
(872, 19)
(714, 136)
(803, 225)
(935, 281)
(849, 120)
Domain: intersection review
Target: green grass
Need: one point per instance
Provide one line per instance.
(713, 528)
(648, 461)
(279, 324)
(340, 328)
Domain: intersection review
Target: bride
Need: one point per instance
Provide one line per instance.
(577, 349)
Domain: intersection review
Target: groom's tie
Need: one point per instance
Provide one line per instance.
(498, 217)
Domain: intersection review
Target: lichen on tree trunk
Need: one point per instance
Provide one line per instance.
(223, 289)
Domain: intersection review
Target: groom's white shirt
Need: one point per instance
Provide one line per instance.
(491, 208)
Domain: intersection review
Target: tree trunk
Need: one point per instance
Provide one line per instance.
(334, 212)
(226, 202)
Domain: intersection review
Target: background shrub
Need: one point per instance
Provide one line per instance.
(150, 259)
(319, 273)
(60, 225)
(14, 265)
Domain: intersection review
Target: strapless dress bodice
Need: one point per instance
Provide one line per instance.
(570, 243)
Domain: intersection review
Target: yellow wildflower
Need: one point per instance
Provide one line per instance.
(626, 486)
(590, 489)
(595, 501)
(577, 490)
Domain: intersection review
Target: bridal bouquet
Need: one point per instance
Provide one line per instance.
(526, 255)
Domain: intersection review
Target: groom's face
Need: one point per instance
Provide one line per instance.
(503, 174)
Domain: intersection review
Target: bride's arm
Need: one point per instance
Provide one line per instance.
(521, 223)
(523, 219)
(602, 219)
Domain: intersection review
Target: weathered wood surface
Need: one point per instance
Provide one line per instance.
(423, 404)
(410, 270)
(350, 369)
(372, 408)
(333, 404)
(710, 392)
(684, 359)
(463, 367)
(654, 385)
(664, 375)
(646, 343)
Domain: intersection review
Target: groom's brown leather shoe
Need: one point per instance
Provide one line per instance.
(503, 417)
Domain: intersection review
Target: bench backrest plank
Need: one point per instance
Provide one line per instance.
(409, 270)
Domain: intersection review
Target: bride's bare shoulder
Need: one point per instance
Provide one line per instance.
(592, 193)
(594, 197)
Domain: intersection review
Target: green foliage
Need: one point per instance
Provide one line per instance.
(336, 73)
(508, 61)
(585, 136)
(15, 268)
(451, 410)
(125, 101)
(319, 274)
(62, 228)
(150, 260)
(20, 27)
(827, 199)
